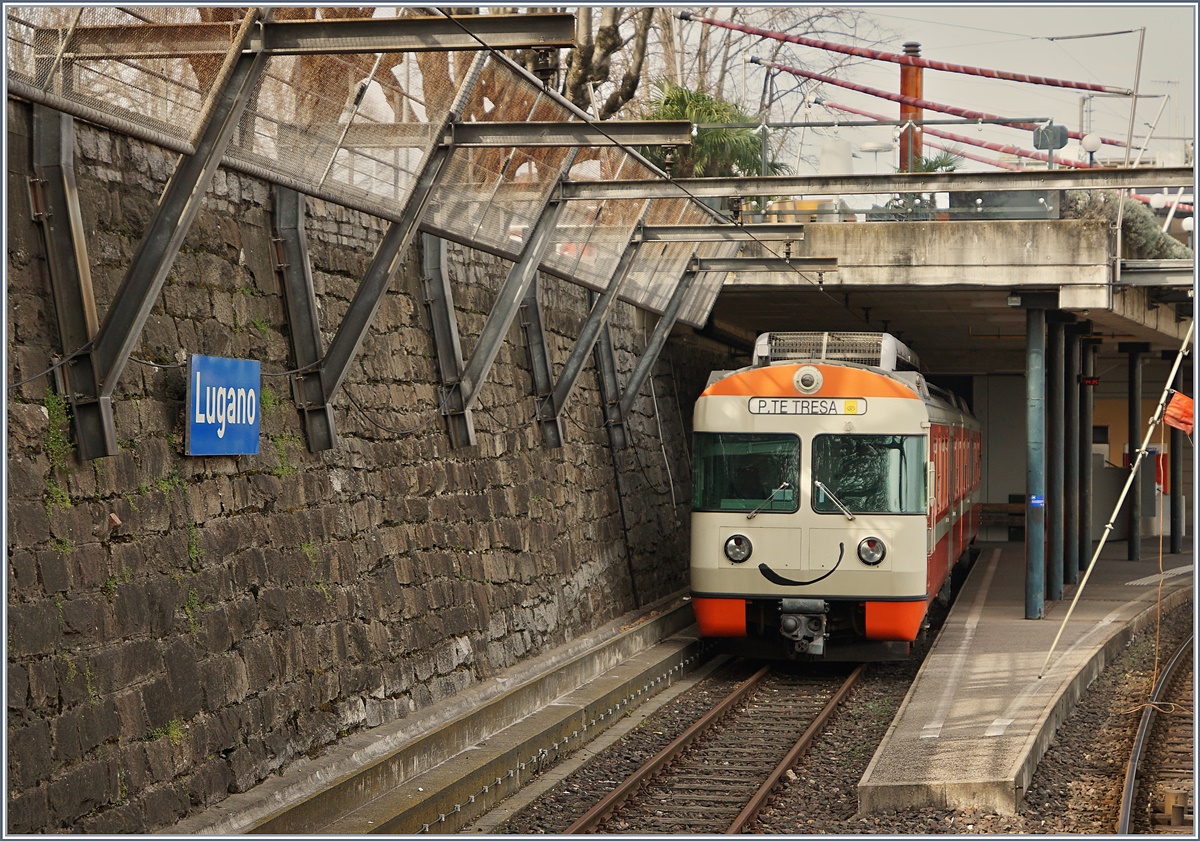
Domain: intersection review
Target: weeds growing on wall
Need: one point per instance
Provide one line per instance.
(58, 449)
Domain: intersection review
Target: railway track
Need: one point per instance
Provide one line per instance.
(1159, 781)
(716, 775)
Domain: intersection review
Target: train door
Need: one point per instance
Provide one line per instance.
(931, 478)
(941, 507)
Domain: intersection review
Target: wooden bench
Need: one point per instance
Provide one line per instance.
(1005, 514)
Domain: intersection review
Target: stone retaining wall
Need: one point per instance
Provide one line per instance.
(180, 628)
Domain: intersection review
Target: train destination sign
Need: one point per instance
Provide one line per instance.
(222, 406)
(808, 406)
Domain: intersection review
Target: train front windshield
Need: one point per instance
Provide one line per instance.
(745, 472)
(869, 474)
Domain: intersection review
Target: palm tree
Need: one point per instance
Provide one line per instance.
(714, 152)
(944, 161)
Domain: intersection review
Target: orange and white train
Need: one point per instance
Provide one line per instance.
(834, 493)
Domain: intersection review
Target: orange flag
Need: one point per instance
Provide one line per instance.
(1179, 412)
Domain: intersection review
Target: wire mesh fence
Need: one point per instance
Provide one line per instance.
(358, 128)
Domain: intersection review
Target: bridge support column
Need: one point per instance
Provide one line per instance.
(1087, 399)
(1135, 351)
(1035, 451)
(1175, 471)
(1072, 451)
(1055, 456)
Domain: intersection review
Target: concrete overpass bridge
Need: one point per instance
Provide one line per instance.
(951, 289)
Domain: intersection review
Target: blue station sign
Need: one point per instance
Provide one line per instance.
(223, 402)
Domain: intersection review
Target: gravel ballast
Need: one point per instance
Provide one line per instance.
(1076, 788)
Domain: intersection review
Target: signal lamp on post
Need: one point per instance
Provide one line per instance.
(1049, 138)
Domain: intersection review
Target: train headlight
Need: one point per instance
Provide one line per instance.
(871, 551)
(807, 379)
(738, 548)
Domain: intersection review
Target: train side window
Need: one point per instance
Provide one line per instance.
(745, 472)
(869, 474)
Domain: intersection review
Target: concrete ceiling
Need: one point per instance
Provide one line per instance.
(953, 331)
(943, 288)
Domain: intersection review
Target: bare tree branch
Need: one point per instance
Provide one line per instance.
(629, 83)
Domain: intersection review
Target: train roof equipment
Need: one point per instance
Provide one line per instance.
(876, 350)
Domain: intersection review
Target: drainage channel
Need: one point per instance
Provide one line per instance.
(451, 775)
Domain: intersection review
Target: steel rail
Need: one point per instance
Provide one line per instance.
(607, 805)
(592, 818)
(801, 747)
(1143, 733)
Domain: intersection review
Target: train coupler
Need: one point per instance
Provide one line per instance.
(803, 622)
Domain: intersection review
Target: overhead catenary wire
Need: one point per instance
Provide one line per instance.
(962, 138)
(971, 157)
(897, 58)
(160, 365)
(915, 102)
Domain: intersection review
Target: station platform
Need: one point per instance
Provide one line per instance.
(978, 718)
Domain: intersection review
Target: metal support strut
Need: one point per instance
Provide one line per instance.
(461, 396)
(54, 204)
(304, 324)
(131, 306)
(552, 404)
(662, 331)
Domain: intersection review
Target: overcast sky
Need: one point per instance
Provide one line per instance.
(1017, 38)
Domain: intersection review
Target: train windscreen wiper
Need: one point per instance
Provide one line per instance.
(766, 501)
(833, 498)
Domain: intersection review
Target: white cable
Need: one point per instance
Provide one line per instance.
(1155, 421)
(662, 444)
